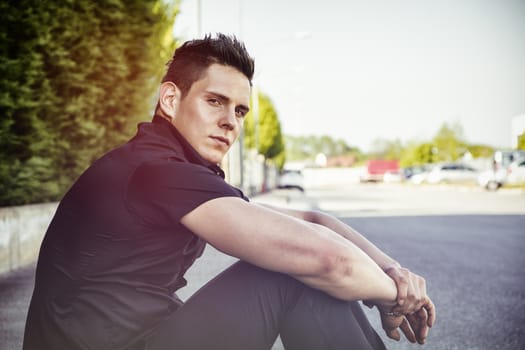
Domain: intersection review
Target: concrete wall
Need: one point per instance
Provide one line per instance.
(21, 232)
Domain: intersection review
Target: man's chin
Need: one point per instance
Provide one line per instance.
(216, 159)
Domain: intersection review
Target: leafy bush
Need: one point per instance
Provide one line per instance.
(76, 77)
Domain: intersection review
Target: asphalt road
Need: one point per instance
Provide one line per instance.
(467, 244)
(473, 265)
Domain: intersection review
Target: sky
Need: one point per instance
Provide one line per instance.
(380, 69)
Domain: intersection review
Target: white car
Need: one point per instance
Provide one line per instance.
(513, 174)
(452, 173)
(418, 175)
(393, 176)
(492, 179)
(516, 172)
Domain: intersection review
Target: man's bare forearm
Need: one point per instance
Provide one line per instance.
(383, 260)
(379, 257)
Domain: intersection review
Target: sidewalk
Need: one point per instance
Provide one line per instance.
(15, 292)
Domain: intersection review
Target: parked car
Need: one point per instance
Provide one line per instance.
(410, 171)
(492, 179)
(376, 169)
(418, 175)
(291, 179)
(452, 173)
(516, 172)
(503, 158)
(504, 172)
(393, 176)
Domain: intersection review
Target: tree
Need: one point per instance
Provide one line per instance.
(449, 142)
(24, 140)
(521, 141)
(480, 151)
(447, 145)
(419, 154)
(267, 138)
(307, 147)
(76, 78)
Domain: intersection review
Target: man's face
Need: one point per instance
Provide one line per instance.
(211, 115)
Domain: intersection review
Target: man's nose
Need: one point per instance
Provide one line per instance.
(228, 119)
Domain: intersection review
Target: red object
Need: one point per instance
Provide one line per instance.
(376, 169)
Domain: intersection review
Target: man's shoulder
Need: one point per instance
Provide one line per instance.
(174, 188)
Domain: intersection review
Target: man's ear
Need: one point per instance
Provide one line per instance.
(169, 99)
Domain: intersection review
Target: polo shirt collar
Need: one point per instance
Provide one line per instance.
(189, 152)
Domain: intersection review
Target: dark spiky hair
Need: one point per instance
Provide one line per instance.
(191, 60)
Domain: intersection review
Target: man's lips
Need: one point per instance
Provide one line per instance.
(221, 139)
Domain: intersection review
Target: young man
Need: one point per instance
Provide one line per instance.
(136, 220)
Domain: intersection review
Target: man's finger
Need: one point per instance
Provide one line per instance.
(415, 324)
(393, 334)
(423, 286)
(431, 311)
(419, 294)
(401, 283)
(418, 322)
(407, 331)
(402, 288)
(411, 299)
(423, 321)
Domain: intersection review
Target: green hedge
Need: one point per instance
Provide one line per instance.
(75, 78)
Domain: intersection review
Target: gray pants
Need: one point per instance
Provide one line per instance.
(246, 308)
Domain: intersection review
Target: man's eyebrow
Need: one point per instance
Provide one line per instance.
(226, 99)
(221, 97)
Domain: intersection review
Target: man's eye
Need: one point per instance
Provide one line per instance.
(241, 113)
(214, 101)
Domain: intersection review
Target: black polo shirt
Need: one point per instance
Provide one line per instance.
(115, 251)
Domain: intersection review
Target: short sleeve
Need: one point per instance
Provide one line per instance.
(161, 193)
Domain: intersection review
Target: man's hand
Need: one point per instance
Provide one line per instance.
(391, 324)
(411, 293)
(414, 326)
(414, 312)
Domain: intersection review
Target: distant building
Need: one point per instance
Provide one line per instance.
(517, 128)
(341, 161)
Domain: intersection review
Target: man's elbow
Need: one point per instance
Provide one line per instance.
(335, 268)
(318, 217)
(313, 216)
